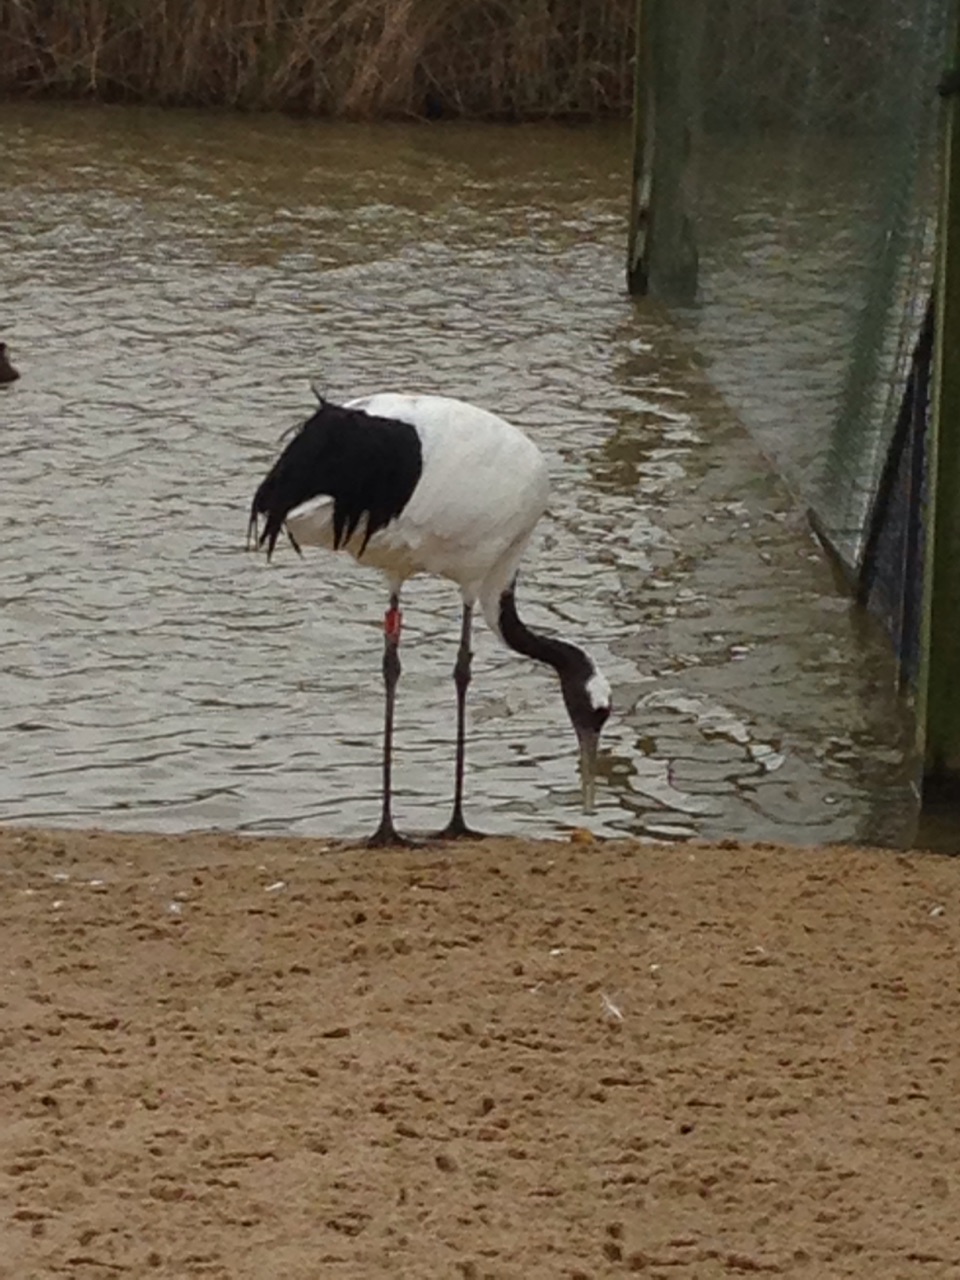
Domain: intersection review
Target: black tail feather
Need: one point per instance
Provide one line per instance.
(369, 466)
(257, 538)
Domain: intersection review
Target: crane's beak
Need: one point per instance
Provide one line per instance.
(589, 744)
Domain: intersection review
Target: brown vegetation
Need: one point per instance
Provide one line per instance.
(355, 58)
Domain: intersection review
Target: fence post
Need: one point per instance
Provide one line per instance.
(637, 273)
(662, 255)
(938, 702)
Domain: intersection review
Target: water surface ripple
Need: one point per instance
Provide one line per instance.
(171, 284)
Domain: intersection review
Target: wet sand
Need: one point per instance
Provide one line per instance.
(232, 1057)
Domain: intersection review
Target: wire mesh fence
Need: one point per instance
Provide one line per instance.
(807, 199)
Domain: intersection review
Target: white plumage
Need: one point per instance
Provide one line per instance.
(483, 488)
(427, 484)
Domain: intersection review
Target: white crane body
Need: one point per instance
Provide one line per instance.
(449, 526)
(412, 484)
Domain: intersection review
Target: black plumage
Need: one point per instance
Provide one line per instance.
(454, 491)
(369, 466)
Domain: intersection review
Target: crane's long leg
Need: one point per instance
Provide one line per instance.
(456, 827)
(387, 833)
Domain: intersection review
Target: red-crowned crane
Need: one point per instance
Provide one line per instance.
(426, 484)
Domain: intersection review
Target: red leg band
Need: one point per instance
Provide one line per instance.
(392, 622)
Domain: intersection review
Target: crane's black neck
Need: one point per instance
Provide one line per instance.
(571, 664)
(586, 694)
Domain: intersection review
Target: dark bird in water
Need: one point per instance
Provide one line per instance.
(7, 372)
(425, 484)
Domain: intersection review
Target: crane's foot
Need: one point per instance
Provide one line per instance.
(387, 836)
(457, 829)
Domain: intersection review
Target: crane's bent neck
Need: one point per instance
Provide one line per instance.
(569, 662)
(586, 693)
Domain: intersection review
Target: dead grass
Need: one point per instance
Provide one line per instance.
(351, 58)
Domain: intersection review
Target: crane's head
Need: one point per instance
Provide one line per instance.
(586, 694)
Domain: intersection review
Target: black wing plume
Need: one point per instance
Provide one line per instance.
(368, 465)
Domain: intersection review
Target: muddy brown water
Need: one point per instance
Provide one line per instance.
(171, 283)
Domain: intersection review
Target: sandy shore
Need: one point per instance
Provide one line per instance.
(232, 1057)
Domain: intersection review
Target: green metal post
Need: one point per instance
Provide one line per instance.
(662, 255)
(939, 700)
(637, 274)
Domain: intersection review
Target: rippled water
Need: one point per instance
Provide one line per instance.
(171, 283)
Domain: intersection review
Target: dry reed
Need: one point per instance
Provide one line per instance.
(356, 58)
